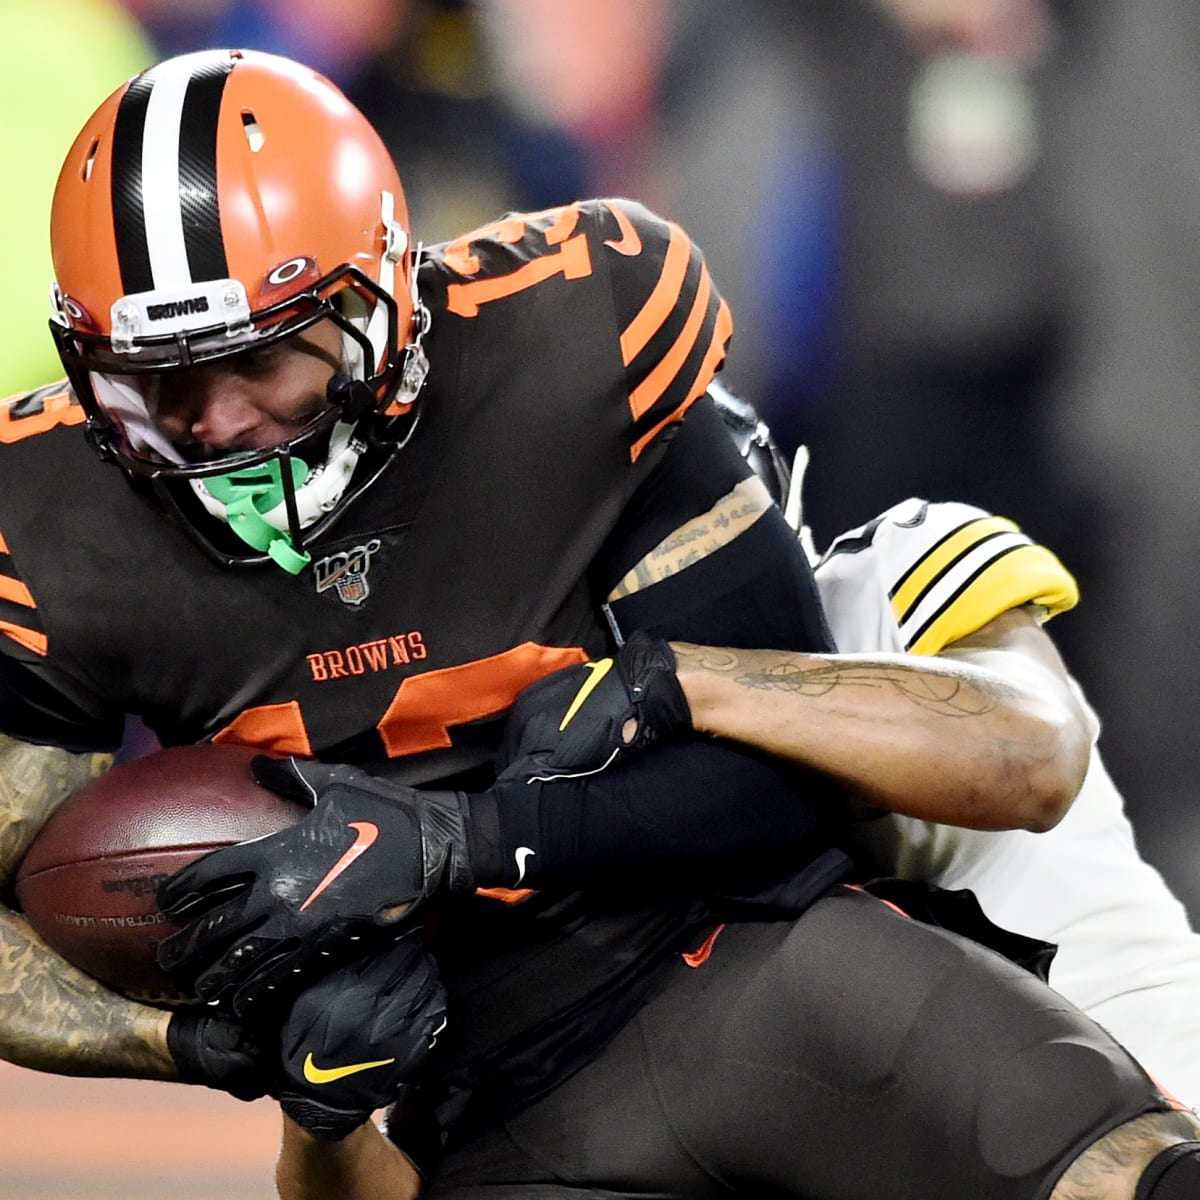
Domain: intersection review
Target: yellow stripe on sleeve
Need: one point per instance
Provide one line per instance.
(1028, 574)
(947, 552)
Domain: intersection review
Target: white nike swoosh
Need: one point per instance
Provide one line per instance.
(523, 853)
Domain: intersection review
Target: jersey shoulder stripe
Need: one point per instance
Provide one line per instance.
(669, 324)
(35, 412)
(948, 569)
(18, 610)
(674, 323)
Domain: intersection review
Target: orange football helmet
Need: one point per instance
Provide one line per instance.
(219, 202)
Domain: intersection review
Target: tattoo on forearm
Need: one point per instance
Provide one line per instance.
(52, 1016)
(55, 1018)
(34, 781)
(936, 693)
(942, 692)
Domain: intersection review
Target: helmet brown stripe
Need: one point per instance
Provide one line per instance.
(129, 222)
(194, 189)
(198, 198)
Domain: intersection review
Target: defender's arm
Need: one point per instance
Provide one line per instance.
(364, 1164)
(989, 734)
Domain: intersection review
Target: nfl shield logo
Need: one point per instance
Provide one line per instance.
(347, 572)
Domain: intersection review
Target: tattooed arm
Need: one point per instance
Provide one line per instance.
(988, 734)
(53, 1017)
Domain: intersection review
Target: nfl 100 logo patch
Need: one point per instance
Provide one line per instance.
(347, 572)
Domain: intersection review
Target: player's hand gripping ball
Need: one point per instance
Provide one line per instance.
(266, 918)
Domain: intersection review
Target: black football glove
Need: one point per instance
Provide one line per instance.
(219, 1053)
(574, 721)
(354, 1039)
(266, 916)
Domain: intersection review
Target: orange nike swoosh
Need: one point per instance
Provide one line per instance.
(598, 670)
(630, 243)
(702, 953)
(367, 833)
(319, 1075)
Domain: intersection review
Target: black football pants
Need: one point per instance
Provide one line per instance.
(849, 1054)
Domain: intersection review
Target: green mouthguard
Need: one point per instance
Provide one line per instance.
(249, 493)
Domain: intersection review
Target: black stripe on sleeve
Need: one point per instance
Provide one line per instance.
(913, 639)
(925, 556)
(920, 596)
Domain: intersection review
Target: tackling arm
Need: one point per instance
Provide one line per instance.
(988, 735)
(52, 1016)
(364, 1164)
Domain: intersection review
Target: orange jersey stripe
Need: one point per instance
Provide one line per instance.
(16, 591)
(571, 260)
(663, 299)
(643, 398)
(425, 706)
(31, 640)
(3, 544)
(563, 225)
(722, 332)
(278, 728)
(55, 410)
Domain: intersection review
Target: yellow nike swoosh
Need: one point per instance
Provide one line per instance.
(315, 1074)
(598, 669)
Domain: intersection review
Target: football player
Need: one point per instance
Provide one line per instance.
(1012, 801)
(949, 715)
(413, 483)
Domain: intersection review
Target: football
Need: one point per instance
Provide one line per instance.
(87, 883)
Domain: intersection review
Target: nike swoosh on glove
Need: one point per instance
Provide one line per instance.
(573, 722)
(355, 1038)
(266, 916)
(212, 1050)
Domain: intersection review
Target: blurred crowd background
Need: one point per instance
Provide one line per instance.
(961, 240)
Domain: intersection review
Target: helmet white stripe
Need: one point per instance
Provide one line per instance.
(160, 171)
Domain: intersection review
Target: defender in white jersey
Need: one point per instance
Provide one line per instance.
(948, 712)
(948, 717)
(917, 581)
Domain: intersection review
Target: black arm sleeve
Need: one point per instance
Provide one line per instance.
(697, 806)
(695, 812)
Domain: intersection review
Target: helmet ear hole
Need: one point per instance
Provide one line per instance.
(255, 138)
(90, 161)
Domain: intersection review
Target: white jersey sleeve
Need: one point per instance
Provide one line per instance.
(923, 575)
(916, 579)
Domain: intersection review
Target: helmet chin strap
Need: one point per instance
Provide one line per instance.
(252, 500)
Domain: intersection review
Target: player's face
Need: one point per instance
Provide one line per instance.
(251, 401)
